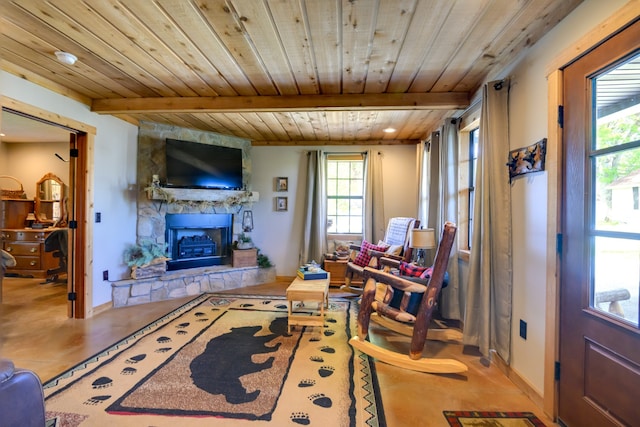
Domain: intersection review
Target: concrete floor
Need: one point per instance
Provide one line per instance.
(37, 335)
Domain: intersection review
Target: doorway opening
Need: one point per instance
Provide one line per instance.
(42, 151)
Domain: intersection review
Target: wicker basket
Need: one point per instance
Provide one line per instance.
(12, 194)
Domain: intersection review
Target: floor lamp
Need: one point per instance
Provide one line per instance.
(420, 240)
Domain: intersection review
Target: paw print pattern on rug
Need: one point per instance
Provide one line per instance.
(321, 400)
(128, 371)
(95, 400)
(135, 359)
(300, 418)
(326, 371)
(308, 382)
(102, 382)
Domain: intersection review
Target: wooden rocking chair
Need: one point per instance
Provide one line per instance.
(394, 316)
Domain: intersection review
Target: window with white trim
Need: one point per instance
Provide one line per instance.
(473, 163)
(467, 166)
(345, 193)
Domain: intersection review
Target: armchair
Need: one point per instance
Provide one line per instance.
(21, 397)
(395, 244)
(407, 307)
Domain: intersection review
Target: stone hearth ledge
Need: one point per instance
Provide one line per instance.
(187, 282)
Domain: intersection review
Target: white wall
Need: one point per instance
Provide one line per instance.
(528, 124)
(29, 162)
(278, 234)
(3, 157)
(113, 174)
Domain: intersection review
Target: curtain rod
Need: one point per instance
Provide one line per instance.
(345, 153)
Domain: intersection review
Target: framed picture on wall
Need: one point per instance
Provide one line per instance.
(282, 183)
(281, 203)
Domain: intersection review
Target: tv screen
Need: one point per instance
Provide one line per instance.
(194, 165)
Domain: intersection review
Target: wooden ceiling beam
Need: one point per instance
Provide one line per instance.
(327, 142)
(235, 104)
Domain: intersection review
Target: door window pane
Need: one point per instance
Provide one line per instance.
(616, 277)
(615, 179)
(617, 108)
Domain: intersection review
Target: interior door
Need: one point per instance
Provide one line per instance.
(599, 335)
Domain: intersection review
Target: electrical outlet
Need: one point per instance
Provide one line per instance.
(105, 275)
(98, 217)
(523, 329)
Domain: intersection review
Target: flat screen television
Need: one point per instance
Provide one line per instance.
(195, 165)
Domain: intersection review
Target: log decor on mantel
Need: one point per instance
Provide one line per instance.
(203, 199)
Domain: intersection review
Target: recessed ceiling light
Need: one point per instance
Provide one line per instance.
(389, 130)
(66, 57)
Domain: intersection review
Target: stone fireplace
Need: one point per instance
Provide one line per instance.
(198, 230)
(151, 161)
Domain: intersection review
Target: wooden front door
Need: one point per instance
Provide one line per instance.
(599, 336)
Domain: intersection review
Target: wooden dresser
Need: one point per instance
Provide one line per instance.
(27, 247)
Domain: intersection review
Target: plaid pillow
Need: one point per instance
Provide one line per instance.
(426, 274)
(412, 270)
(363, 257)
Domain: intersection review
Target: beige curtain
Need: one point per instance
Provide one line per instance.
(422, 161)
(439, 202)
(314, 233)
(487, 320)
(432, 195)
(375, 223)
(450, 304)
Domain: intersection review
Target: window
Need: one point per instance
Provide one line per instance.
(345, 193)
(467, 166)
(473, 163)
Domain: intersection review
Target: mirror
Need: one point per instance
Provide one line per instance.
(49, 201)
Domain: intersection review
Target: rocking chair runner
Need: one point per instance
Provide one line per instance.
(394, 312)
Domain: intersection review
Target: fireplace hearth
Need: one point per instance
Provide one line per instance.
(198, 240)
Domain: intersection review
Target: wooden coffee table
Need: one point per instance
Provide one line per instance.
(307, 290)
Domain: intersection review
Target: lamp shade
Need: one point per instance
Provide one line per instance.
(31, 216)
(424, 238)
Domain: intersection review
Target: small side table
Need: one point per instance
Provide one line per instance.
(337, 269)
(307, 290)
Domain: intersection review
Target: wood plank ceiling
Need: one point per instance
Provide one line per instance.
(279, 72)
